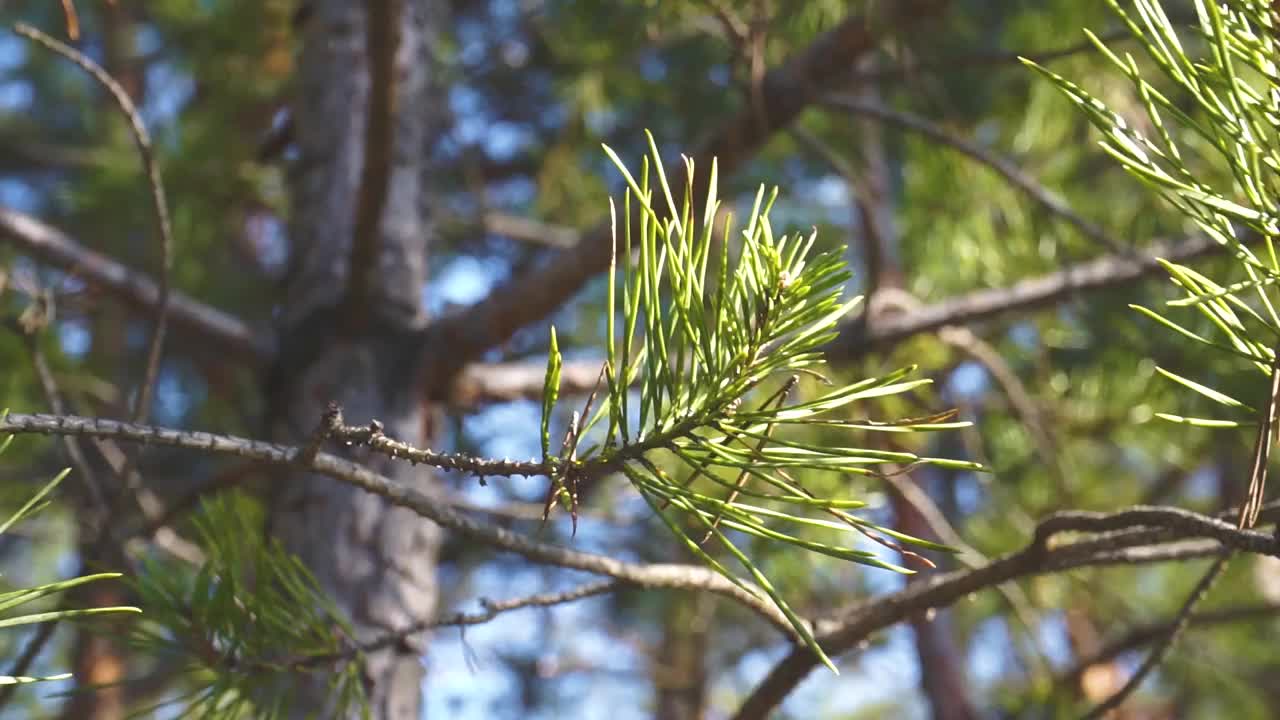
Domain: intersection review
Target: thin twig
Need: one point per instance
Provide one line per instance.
(1002, 166)
(142, 139)
(227, 334)
(1165, 643)
(528, 230)
(330, 423)
(1143, 634)
(73, 20)
(1109, 271)
(492, 609)
(53, 398)
(428, 506)
(164, 230)
(372, 436)
(163, 536)
(1267, 424)
(986, 59)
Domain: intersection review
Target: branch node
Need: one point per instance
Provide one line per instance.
(330, 422)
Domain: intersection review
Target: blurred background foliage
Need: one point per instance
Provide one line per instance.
(532, 89)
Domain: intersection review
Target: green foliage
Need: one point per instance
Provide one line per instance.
(717, 345)
(1224, 104)
(12, 599)
(247, 622)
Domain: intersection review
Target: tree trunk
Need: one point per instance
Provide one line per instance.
(377, 562)
(942, 667)
(679, 671)
(99, 659)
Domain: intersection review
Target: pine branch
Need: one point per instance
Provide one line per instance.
(787, 90)
(657, 575)
(859, 337)
(1138, 535)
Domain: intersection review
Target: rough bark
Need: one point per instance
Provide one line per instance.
(378, 563)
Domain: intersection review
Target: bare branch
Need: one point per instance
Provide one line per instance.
(72, 19)
(787, 90)
(531, 231)
(382, 41)
(53, 398)
(1143, 634)
(52, 246)
(667, 575)
(988, 58)
(372, 437)
(484, 383)
(164, 229)
(493, 608)
(510, 381)
(1004, 167)
(1165, 642)
(1108, 271)
(1125, 534)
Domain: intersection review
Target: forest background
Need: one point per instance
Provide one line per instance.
(461, 174)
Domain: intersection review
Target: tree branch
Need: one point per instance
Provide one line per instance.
(164, 229)
(30, 334)
(528, 230)
(1127, 537)
(1108, 271)
(382, 39)
(52, 246)
(483, 383)
(492, 609)
(1125, 534)
(862, 335)
(988, 58)
(1003, 167)
(666, 575)
(1143, 634)
(1165, 643)
(787, 90)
